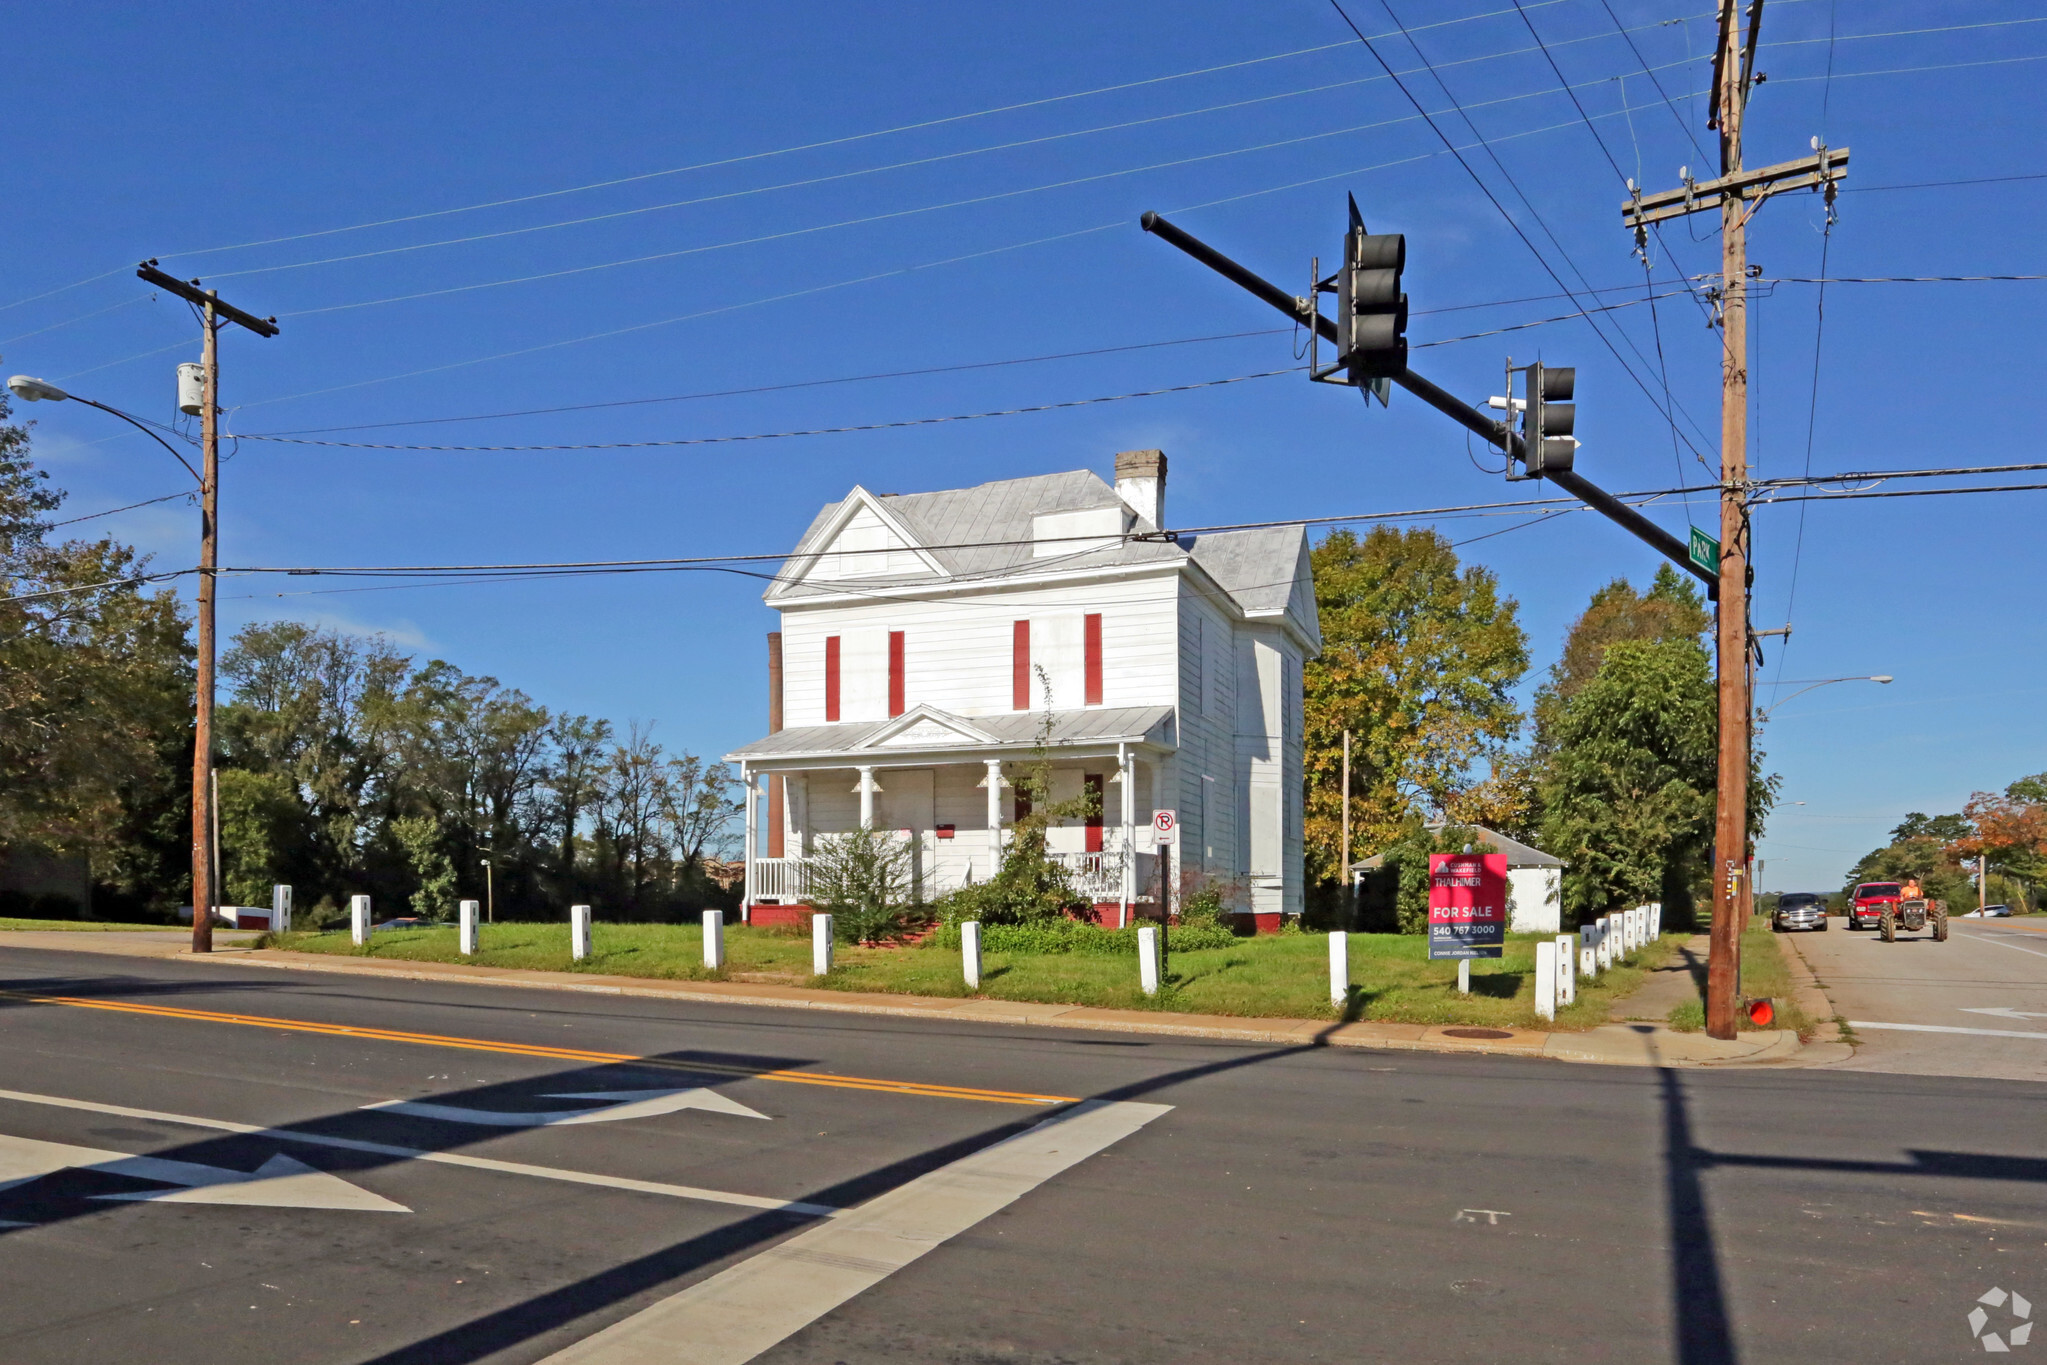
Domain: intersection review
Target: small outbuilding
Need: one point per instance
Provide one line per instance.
(1535, 881)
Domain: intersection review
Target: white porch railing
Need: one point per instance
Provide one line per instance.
(780, 879)
(1096, 876)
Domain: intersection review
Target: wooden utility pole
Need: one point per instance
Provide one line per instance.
(205, 888)
(1730, 824)
(1737, 194)
(204, 892)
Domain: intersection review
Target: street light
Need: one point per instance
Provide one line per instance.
(490, 892)
(32, 390)
(1811, 683)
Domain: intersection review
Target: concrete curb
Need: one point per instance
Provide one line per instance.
(1811, 997)
(1609, 1045)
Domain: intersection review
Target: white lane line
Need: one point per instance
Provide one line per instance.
(621, 1105)
(475, 1163)
(741, 1312)
(1993, 942)
(1946, 1028)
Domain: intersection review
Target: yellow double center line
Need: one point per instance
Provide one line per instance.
(558, 1054)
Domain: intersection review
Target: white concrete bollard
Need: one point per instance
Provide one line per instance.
(970, 953)
(820, 945)
(467, 932)
(1627, 919)
(280, 909)
(1655, 920)
(579, 932)
(1567, 969)
(1641, 927)
(1546, 980)
(1602, 942)
(359, 919)
(1588, 963)
(714, 939)
(1148, 959)
(1464, 976)
(1339, 967)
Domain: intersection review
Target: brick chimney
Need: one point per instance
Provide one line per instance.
(1141, 483)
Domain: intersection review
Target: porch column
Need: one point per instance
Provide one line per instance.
(867, 789)
(993, 783)
(1126, 773)
(746, 783)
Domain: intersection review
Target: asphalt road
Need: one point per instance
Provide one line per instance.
(197, 1179)
(1975, 1005)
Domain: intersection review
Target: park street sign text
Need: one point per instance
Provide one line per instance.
(1467, 904)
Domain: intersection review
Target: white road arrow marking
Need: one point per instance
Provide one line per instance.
(2007, 1012)
(621, 1105)
(279, 1182)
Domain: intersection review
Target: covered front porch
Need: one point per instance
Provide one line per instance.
(942, 784)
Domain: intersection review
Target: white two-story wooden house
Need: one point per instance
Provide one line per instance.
(931, 641)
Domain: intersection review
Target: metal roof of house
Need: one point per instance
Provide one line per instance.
(986, 532)
(1011, 730)
(1518, 853)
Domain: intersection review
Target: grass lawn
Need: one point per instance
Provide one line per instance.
(1276, 976)
(1764, 976)
(84, 926)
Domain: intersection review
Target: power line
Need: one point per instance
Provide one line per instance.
(783, 435)
(1819, 330)
(146, 502)
(1484, 189)
(927, 370)
(1941, 184)
(868, 170)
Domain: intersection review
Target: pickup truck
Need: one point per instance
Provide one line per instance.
(1883, 906)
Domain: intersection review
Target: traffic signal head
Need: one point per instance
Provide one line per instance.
(1371, 315)
(1546, 434)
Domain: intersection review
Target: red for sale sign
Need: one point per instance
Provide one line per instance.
(1467, 904)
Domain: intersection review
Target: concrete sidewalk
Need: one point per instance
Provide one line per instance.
(1613, 1044)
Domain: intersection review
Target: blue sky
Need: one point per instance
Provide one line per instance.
(1000, 223)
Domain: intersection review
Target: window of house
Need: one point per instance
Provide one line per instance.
(1091, 651)
(895, 674)
(1020, 666)
(831, 679)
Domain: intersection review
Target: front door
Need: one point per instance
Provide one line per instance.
(909, 807)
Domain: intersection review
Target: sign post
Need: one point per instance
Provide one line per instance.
(1165, 833)
(1467, 905)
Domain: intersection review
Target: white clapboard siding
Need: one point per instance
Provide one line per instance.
(957, 649)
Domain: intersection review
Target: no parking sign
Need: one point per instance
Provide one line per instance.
(1165, 827)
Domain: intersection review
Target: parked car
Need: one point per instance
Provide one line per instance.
(403, 922)
(1799, 910)
(1990, 912)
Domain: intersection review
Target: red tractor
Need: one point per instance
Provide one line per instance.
(1888, 907)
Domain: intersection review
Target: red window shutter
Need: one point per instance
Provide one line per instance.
(895, 673)
(1092, 646)
(1020, 667)
(1094, 789)
(831, 679)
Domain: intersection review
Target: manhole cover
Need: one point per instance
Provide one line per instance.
(1476, 1033)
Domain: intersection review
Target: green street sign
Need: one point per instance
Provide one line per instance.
(1705, 551)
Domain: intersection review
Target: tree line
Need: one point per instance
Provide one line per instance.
(2006, 829)
(344, 766)
(1611, 768)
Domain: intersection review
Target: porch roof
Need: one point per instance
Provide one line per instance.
(930, 731)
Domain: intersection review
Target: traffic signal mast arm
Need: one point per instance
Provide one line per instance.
(1497, 433)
